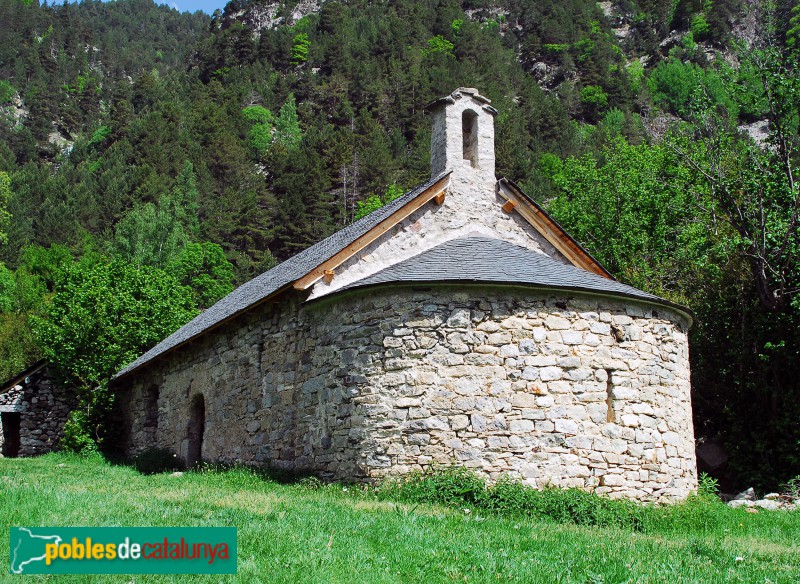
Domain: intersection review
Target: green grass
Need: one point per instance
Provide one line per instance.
(294, 533)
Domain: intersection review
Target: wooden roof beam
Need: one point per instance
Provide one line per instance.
(435, 192)
(550, 230)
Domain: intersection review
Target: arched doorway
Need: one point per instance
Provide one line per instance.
(197, 427)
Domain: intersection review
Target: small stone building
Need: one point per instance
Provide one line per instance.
(33, 410)
(459, 324)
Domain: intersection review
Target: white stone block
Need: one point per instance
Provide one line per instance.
(566, 426)
(551, 373)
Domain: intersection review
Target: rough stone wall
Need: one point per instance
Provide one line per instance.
(567, 391)
(44, 406)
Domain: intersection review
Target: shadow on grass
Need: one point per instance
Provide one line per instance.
(161, 460)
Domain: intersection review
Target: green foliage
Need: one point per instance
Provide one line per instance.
(791, 488)
(438, 45)
(614, 122)
(7, 289)
(100, 136)
(5, 197)
(260, 133)
(301, 45)
(7, 92)
(287, 125)
(631, 209)
(150, 235)
(453, 486)
(594, 101)
(204, 268)
(77, 437)
(18, 348)
(51, 264)
(675, 84)
(106, 315)
(374, 202)
(793, 33)
(636, 75)
(367, 206)
(464, 490)
(708, 487)
(699, 27)
(456, 25)
(555, 47)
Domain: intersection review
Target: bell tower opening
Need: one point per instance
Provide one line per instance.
(469, 133)
(462, 135)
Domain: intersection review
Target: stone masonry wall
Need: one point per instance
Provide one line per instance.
(43, 406)
(567, 391)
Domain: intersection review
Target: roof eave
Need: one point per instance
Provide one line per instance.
(654, 300)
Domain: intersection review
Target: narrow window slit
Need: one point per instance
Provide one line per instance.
(610, 416)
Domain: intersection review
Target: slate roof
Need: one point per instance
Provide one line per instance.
(488, 260)
(20, 377)
(275, 279)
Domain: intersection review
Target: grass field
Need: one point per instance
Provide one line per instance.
(293, 533)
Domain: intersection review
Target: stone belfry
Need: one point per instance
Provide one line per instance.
(462, 139)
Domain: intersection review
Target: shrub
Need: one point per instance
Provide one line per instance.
(442, 485)
(76, 438)
(460, 487)
(510, 496)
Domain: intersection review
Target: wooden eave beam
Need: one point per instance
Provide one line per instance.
(550, 231)
(435, 192)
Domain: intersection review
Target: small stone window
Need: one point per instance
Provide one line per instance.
(610, 413)
(469, 131)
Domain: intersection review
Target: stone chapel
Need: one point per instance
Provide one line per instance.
(458, 324)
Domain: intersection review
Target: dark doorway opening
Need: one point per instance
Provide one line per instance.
(197, 427)
(11, 423)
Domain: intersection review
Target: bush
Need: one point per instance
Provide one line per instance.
(441, 485)
(460, 487)
(157, 460)
(509, 496)
(674, 85)
(76, 438)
